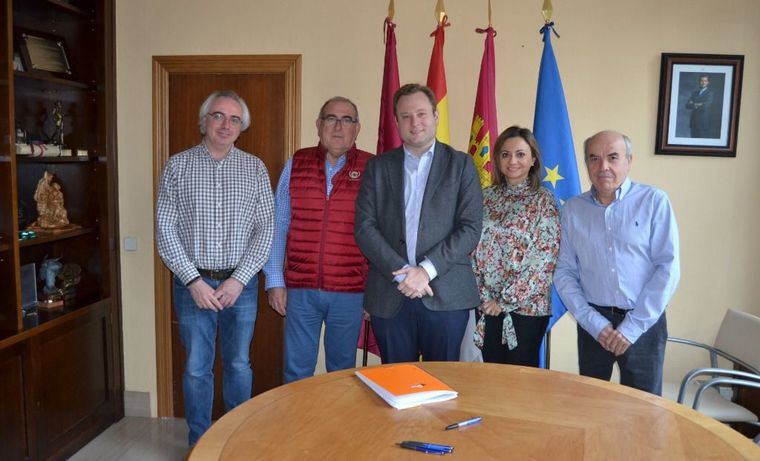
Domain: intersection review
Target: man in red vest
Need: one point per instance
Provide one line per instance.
(315, 274)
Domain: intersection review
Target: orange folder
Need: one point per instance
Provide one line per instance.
(405, 385)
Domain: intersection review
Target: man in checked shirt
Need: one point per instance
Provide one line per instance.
(316, 273)
(215, 218)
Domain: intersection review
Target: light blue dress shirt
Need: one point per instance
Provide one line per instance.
(416, 172)
(624, 255)
(274, 268)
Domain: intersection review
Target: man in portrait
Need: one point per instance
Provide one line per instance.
(700, 104)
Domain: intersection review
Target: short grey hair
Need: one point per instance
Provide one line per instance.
(626, 140)
(206, 106)
(337, 99)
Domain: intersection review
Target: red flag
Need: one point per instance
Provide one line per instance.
(437, 81)
(484, 129)
(387, 134)
(387, 139)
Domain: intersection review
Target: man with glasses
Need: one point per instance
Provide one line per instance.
(214, 224)
(315, 274)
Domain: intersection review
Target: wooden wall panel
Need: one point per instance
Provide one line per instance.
(13, 441)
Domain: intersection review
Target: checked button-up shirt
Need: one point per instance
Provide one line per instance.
(214, 214)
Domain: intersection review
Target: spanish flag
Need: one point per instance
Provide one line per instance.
(437, 76)
(484, 129)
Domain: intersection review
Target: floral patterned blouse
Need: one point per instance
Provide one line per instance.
(515, 259)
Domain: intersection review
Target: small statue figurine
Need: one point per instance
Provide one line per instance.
(51, 214)
(48, 271)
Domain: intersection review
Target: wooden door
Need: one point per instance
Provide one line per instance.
(269, 85)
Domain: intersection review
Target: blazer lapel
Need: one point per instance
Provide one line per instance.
(441, 159)
(396, 184)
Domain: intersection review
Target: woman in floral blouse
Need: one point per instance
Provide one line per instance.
(514, 261)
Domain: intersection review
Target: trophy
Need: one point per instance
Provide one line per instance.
(70, 275)
(52, 299)
(57, 138)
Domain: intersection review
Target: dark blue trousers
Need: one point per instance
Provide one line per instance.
(415, 330)
(640, 365)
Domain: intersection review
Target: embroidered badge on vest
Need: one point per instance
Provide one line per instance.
(354, 174)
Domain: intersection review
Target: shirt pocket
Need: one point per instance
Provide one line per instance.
(634, 228)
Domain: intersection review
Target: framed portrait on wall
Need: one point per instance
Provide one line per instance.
(698, 111)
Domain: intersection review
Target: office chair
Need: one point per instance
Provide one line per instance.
(738, 341)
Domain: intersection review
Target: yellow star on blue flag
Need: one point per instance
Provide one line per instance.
(552, 175)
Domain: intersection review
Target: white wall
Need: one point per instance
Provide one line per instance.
(609, 57)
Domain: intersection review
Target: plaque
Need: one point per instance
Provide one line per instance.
(44, 53)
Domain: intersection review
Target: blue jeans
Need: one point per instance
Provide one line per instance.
(197, 328)
(307, 310)
(640, 365)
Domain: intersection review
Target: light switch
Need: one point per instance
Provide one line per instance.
(130, 243)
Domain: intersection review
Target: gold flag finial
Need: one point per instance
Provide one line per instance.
(547, 10)
(440, 11)
(391, 10)
(489, 13)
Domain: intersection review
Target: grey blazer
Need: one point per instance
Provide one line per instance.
(450, 223)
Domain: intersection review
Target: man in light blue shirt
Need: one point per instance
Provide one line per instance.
(618, 267)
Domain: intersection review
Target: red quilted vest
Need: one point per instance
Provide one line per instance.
(321, 252)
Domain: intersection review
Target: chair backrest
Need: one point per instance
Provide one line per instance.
(739, 335)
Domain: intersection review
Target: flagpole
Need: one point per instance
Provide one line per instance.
(440, 12)
(547, 10)
(551, 126)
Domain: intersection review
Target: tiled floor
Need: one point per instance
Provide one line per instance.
(138, 439)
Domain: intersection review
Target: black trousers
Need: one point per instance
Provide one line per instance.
(640, 365)
(530, 331)
(415, 330)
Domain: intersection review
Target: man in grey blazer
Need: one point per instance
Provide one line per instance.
(418, 217)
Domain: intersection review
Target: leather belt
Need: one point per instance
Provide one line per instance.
(219, 275)
(613, 309)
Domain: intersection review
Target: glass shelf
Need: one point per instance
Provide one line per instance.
(47, 237)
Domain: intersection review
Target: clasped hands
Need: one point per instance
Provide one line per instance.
(206, 297)
(613, 341)
(416, 283)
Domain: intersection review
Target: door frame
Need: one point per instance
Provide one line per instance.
(289, 66)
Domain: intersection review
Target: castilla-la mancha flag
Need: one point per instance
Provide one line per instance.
(437, 82)
(484, 129)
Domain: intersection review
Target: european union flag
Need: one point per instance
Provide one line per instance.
(551, 126)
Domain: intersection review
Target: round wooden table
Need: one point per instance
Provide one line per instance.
(527, 414)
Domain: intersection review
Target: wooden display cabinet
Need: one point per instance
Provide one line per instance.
(61, 373)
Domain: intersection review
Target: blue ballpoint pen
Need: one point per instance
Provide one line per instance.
(468, 422)
(421, 449)
(430, 446)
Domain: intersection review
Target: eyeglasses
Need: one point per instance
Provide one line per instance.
(219, 117)
(331, 120)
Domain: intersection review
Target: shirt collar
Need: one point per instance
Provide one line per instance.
(429, 152)
(323, 153)
(620, 193)
(229, 154)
